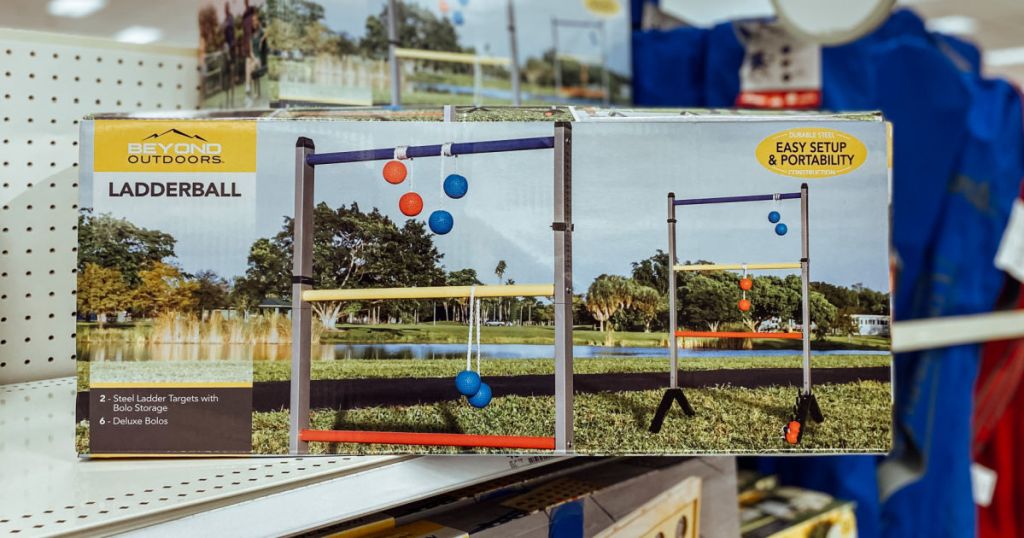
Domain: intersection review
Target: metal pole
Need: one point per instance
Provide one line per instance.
(805, 281)
(478, 81)
(557, 65)
(562, 226)
(605, 78)
(513, 54)
(302, 280)
(672, 322)
(736, 199)
(396, 81)
(413, 152)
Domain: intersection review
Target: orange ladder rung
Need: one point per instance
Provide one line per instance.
(428, 439)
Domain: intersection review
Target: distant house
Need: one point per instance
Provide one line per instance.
(871, 324)
(273, 303)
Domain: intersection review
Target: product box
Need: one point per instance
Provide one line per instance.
(603, 497)
(350, 52)
(574, 282)
(768, 510)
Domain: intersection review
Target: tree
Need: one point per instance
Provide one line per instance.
(118, 244)
(702, 299)
(101, 291)
(351, 249)
(499, 272)
(418, 28)
(297, 12)
(709, 299)
(856, 299)
(268, 274)
(163, 289)
(211, 293)
(646, 302)
(872, 302)
(328, 312)
(462, 277)
(298, 25)
(823, 314)
(653, 271)
(773, 298)
(607, 295)
(845, 324)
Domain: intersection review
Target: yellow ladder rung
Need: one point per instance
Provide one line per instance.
(431, 292)
(737, 266)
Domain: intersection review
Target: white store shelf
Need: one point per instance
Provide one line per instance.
(45, 489)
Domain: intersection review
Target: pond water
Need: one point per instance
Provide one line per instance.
(537, 351)
(130, 352)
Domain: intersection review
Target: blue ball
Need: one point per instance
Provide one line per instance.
(774, 217)
(482, 397)
(455, 186)
(468, 382)
(781, 229)
(441, 222)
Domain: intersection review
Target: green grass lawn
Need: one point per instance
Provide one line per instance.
(731, 420)
(397, 368)
(455, 333)
(450, 333)
(728, 420)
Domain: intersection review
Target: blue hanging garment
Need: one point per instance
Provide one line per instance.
(898, 70)
(957, 164)
(722, 74)
(981, 195)
(962, 280)
(670, 69)
(962, 52)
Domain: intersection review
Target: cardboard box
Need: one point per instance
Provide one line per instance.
(768, 510)
(610, 497)
(311, 281)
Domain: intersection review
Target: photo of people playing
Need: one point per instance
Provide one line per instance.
(280, 53)
(233, 56)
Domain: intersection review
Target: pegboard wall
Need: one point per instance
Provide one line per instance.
(48, 82)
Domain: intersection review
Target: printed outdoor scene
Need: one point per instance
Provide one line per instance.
(258, 53)
(435, 320)
(739, 299)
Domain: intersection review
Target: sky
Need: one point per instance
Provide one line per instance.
(622, 173)
(485, 26)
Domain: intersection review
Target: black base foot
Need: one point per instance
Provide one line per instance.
(671, 395)
(806, 405)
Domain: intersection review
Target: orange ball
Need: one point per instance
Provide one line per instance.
(746, 284)
(411, 204)
(395, 172)
(744, 305)
(792, 432)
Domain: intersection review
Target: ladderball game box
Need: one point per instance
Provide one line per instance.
(534, 280)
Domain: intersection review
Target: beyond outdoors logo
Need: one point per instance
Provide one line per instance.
(174, 147)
